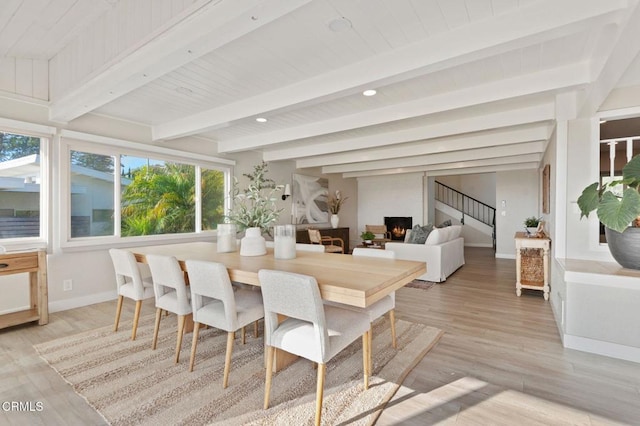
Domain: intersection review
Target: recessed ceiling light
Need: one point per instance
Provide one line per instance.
(369, 92)
(340, 24)
(184, 90)
(261, 120)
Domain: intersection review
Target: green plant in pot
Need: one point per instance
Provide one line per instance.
(367, 236)
(531, 224)
(617, 205)
(255, 210)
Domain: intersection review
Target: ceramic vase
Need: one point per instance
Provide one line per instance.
(253, 244)
(334, 220)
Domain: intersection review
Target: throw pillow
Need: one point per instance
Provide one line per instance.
(445, 223)
(418, 235)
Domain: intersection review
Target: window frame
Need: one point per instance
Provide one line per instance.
(77, 141)
(46, 135)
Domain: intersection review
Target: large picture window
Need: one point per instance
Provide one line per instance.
(132, 195)
(20, 178)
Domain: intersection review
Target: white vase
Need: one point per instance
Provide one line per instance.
(253, 244)
(334, 220)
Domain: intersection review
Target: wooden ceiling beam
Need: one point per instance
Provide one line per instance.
(206, 29)
(443, 157)
(535, 23)
(498, 137)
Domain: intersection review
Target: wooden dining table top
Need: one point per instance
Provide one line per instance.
(357, 281)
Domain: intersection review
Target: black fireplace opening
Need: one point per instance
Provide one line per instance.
(398, 226)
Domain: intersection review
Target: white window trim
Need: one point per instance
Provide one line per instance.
(594, 223)
(46, 134)
(77, 141)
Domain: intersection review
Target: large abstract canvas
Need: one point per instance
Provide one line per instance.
(310, 196)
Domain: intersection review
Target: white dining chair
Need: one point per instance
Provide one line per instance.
(171, 294)
(386, 304)
(130, 284)
(318, 248)
(311, 329)
(215, 303)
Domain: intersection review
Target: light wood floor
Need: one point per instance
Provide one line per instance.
(500, 361)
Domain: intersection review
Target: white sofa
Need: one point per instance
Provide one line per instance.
(443, 252)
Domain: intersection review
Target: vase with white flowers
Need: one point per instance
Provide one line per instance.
(255, 210)
(335, 204)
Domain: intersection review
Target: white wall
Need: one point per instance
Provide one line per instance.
(519, 189)
(395, 195)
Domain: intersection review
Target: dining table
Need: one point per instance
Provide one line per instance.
(358, 281)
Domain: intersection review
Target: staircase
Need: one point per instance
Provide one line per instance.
(473, 213)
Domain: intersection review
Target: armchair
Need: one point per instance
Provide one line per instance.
(328, 242)
(380, 231)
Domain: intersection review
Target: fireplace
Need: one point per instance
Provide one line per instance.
(398, 226)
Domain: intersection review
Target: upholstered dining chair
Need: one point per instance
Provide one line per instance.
(315, 237)
(215, 303)
(311, 329)
(130, 284)
(318, 248)
(386, 304)
(171, 293)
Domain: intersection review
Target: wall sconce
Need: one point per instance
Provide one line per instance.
(287, 192)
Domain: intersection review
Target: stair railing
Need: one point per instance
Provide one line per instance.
(468, 206)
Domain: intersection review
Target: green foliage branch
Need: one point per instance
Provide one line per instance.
(255, 206)
(614, 211)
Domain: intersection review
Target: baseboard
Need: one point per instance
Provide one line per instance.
(613, 350)
(505, 256)
(78, 302)
(484, 245)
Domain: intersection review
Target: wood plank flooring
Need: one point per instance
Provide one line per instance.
(500, 361)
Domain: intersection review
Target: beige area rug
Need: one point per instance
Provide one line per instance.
(129, 384)
(421, 284)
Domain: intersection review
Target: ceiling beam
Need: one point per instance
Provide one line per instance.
(447, 172)
(622, 53)
(534, 23)
(478, 122)
(498, 137)
(444, 157)
(204, 30)
(568, 76)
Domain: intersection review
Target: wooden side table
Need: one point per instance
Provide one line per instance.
(532, 263)
(35, 263)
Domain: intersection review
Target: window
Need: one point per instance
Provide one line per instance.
(148, 195)
(619, 142)
(20, 194)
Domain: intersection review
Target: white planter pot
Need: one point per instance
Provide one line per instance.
(334, 220)
(253, 244)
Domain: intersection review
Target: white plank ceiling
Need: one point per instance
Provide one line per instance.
(462, 85)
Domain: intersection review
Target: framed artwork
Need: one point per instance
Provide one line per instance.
(546, 179)
(310, 196)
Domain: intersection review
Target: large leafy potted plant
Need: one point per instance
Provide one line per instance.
(255, 210)
(617, 205)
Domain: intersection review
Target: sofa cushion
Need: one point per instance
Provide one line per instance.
(445, 224)
(435, 237)
(418, 235)
(455, 232)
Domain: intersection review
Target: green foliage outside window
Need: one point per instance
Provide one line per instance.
(16, 146)
(161, 200)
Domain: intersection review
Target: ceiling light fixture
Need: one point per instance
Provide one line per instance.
(340, 24)
(369, 92)
(261, 120)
